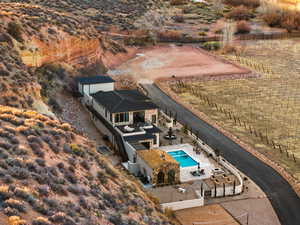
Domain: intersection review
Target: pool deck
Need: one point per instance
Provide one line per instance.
(205, 163)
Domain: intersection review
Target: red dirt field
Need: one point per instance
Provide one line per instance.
(183, 62)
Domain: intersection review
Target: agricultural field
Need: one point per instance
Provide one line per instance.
(264, 111)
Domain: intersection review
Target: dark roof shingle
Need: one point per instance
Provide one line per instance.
(95, 79)
(123, 101)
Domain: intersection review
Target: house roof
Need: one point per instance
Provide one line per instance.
(139, 137)
(95, 79)
(156, 158)
(123, 100)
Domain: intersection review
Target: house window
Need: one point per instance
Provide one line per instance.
(155, 141)
(121, 117)
(153, 118)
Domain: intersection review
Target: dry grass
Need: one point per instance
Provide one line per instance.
(263, 112)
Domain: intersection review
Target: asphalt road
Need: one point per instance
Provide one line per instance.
(282, 197)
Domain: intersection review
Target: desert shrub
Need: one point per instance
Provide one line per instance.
(58, 189)
(54, 148)
(240, 13)
(16, 220)
(273, 18)
(289, 20)
(169, 213)
(58, 217)
(72, 169)
(7, 179)
(53, 171)
(31, 166)
(34, 139)
(40, 162)
(22, 193)
(41, 177)
(248, 3)
(4, 192)
(19, 150)
(47, 139)
(110, 171)
(5, 145)
(243, 27)
(116, 219)
(41, 221)
(19, 173)
(102, 177)
(83, 203)
(44, 190)
(211, 45)
(52, 203)
(110, 200)
(52, 102)
(15, 30)
(15, 204)
(65, 127)
(72, 161)
(11, 212)
(77, 150)
(37, 150)
(76, 190)
(3, 164)
(85, 164)
(40, 207)
(71, 177)
(61, 166)
(178, 18)
(15, 162)
(178, 2)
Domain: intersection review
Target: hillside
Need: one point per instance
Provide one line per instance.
(51, 175)
(44, 48)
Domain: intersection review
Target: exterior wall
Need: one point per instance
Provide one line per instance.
(123, 123)
(165, 169)
(103, 129)
(93, 88)
(130, 151)
(184, 204)
(133, 168)
(100, 109)
(144, 167)
(149, 113)
(157, 141)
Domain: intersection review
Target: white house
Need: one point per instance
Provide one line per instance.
(125, 113)
(91, 85)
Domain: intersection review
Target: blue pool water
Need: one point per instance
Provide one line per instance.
(182, 158)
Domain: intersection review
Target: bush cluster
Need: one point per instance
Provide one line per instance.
(289, 20)
(243, 27)
(247, 3)
(240, 13)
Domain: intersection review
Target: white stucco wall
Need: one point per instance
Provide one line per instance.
(144, 167)
(184, 204)
(93, 88)
(100, 109)
(130, 151)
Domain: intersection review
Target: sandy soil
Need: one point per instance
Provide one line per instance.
(171, 60)
(210, 214)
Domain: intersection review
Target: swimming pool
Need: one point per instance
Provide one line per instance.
(182, 158)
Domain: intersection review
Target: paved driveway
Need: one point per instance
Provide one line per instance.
(284, 200)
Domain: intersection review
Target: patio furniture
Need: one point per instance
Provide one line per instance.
(128, 128)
